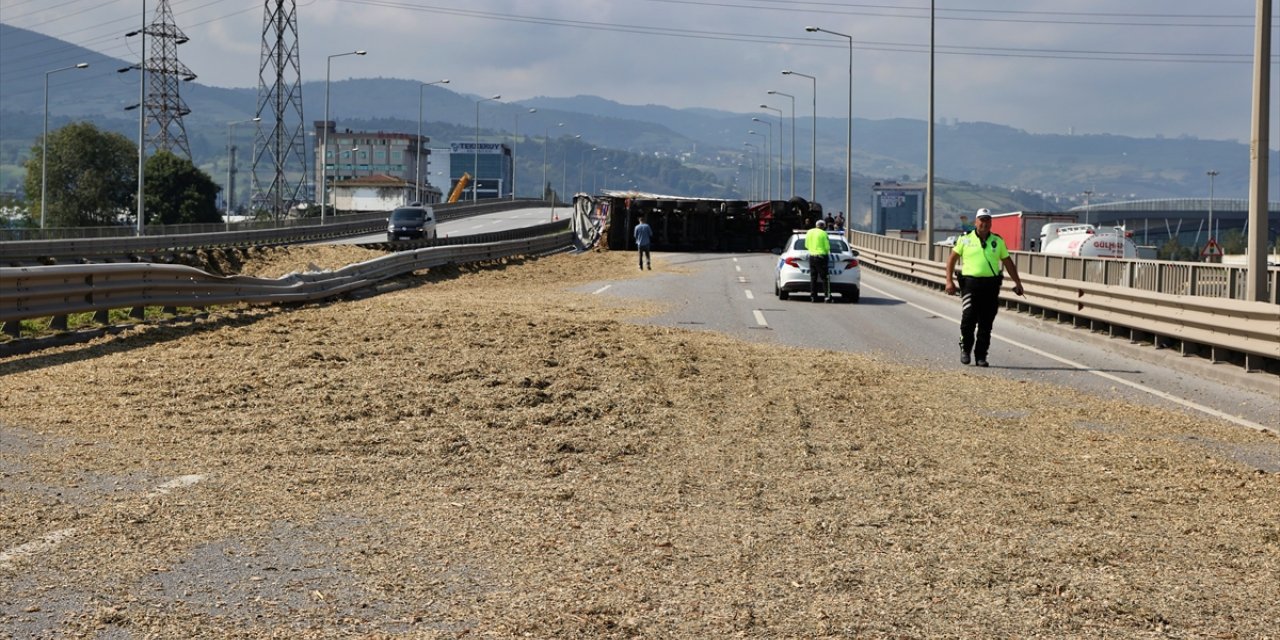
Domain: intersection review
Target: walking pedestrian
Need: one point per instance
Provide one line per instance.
(818, 244)
(644, 238)
(982, 254)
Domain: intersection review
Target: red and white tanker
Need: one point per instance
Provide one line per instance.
(1085, 241)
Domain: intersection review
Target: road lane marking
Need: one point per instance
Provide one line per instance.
(51, 540)
(737, 267)
(759, 318)
(1102, 374)
(601, 290)
(176, 483)
(735, 259)
(48, 542)
(750, 296)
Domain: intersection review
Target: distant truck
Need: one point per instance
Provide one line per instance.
(1085, 241)
(1021, 229)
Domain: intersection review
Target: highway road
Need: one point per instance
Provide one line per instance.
(898, 321)
(484, 223)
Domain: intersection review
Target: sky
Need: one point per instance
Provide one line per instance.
(1125, 67)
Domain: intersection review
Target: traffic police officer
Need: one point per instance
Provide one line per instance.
(981, 254)
(818, 245)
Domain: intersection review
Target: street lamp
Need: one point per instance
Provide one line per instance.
(755, 189)
(1212, 173)
(475, 153)
(546, 135)
(417, 163)
(767, 145)
(516, 143)
(142, 111)
(324, 139)
(781, 143)
(564, 166)
(44, 141)
(231, 162)
(793, 137)
(813, 176)
(848, 160)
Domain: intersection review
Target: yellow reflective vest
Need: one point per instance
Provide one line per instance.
(980, 259)
(817, 243)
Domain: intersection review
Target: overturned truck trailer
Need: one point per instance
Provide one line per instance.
(701, 224)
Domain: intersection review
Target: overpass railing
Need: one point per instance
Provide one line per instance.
(1194, 307)
(142, 249)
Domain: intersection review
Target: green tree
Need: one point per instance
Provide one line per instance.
(92, 176)
(176, 191)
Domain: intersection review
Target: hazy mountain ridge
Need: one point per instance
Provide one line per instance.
(968, 152)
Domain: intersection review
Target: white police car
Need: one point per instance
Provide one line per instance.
(792, 272)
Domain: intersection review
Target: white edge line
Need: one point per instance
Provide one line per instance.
(1102, 374)
(750, 296)
(759, 318)
(601, 290)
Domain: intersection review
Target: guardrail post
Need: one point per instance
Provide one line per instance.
(12, 328)
(101, 316)
(58, 323)
(138, 313)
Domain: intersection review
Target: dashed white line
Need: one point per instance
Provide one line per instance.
(601, 290)
(176, 483)
(737, 267)
(51, 540)
(759, 318)
(750, 296)
(1102, 374)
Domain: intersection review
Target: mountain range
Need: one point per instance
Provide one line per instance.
(667, 150)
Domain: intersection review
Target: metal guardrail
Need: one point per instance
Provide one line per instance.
(146, 248)
(1155, 276)
(1101, 294)
(59, 290)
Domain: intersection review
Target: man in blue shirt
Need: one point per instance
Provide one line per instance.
(644, 238)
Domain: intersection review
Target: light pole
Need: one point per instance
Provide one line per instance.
(417, 163)
(142, 111)
(231, 163)
(755, 188)
(546, 135)
(766, 145)
(1212, 173)
(848, 153)
(515, 143)
(781, 144)
(564, 166)
(44, 140)
(793, 138)
(475, 153)
(813, 175)
(324, 139)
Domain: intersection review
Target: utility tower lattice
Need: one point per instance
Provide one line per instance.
(280, 138)
(164, 105)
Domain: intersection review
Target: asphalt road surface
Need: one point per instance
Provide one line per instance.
(908, 323)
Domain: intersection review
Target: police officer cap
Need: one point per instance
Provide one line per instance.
(984, 213)
(822, 224)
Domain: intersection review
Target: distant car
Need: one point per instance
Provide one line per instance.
(411, 222)
(792, 273)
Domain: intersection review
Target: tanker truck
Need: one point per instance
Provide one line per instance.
(1085, 241)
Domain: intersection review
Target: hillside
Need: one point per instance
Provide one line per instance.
(687, 151)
